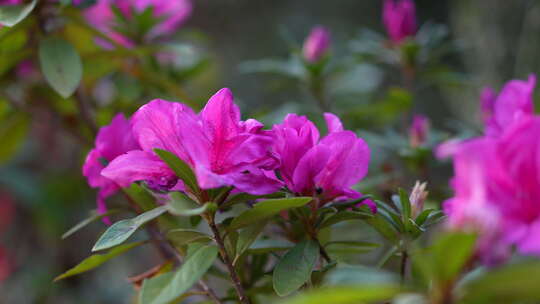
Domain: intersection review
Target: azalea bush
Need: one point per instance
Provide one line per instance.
(351, 195)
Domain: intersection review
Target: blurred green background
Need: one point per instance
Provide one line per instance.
(490, 41)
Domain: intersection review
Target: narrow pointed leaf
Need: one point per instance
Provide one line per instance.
(179, 167)
(344, 216)
(122, 230)
(168, 287)
(94, 216)
(181, 237)
(97, 260)
(294, 268)
(10, 15)
(181, 204)
(61, 65)
(266, 209)
(346, 295)
(247, 236)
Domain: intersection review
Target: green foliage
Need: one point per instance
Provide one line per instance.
(10, 15)
(61, 65)
(294, 268)
(13, 130)
(265, 209)
(169, 286)
(513, 283)
(181, 169)
(122, 230)
(94, 216)
(181, 204)
(97, 260)
(180, 237)
(351, 294)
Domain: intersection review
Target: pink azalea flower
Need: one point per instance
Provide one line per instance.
(513, 102)
(399, 18)
(112, 140)
(496, 180)
(316, 44)
(418, 131)
(221, 149)
(173, 13)
(326, 168)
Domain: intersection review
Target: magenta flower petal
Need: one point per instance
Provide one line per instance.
(157, 125)
(112, 140)
(399, 18)
(513, 102)
(140, 166)
(316, 44)
(347, 165)
(309, 166)
(333, 123)
(326, 168)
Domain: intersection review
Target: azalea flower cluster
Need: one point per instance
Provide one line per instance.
(225, 151)
(106, 16)
(497, 181)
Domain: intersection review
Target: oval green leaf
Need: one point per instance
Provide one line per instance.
(10, 15)
(180, 168)
(266, 209)
(122, 230)
(181, 237)
(96, 260)
(295, 267)
(170, 286)
(61, 65)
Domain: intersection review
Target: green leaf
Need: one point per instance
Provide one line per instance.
(451, 252)
(514, 283)
(358, 274)
(245, 197)
(269, 245)
(97, 260)
(181, 237)
(405, 205)
(122, 230)
(182, 170)
(294, 269)
(247, 236)
(94, 216)
(13, 130)
(168, 287)
(10, 15)
(140, 196)
(383, 227)
(61, 65)
(266, 209)
(181, 204)
(352, 294)
(344, 216)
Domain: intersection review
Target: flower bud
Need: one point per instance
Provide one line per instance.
(399, 18)
(417, 198)
(316, 44)
(418, 132)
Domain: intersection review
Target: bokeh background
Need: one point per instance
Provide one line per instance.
(43, 192)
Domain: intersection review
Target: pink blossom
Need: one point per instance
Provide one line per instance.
(418, 131)
(496, 180)
(112, 140)
(221, 149)
(399, 18)
(316, 44)
(513, 102)
(173, 13)
(326, 168)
